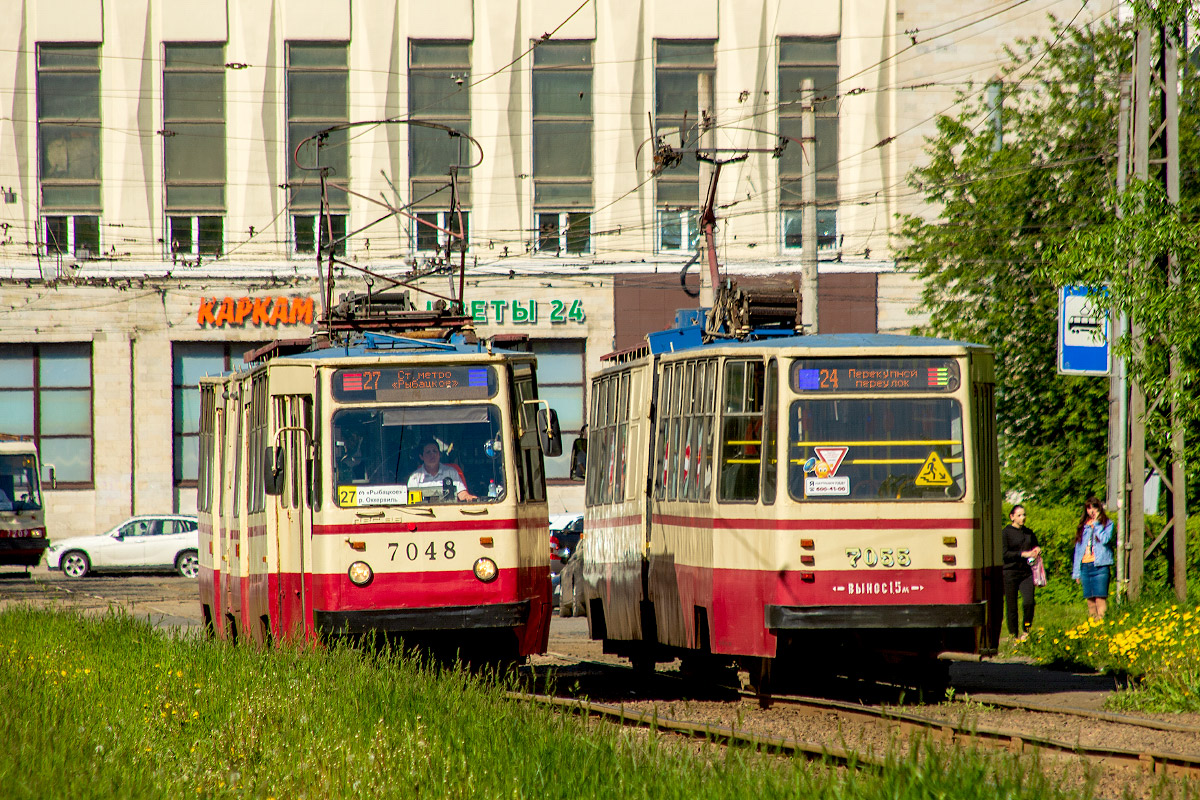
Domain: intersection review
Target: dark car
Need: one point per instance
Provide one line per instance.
(564, 538)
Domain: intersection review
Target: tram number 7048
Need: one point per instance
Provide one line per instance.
(413, 551)
(885, 557)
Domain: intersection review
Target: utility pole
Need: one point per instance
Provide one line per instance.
(1170, 92)
(808, 187)
(1118, 382)
(706, 142)
(1166, 135)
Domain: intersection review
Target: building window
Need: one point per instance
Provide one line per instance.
(678, 68)
(194, 147)
(678, 230)
(78, 235)
(433, 230)
(68, 113)
(309, 230)
(46, 393)
(318, 97)
(816, 59)
(195, 236)
(564, 232)
(191, 362)
(562, 146)
(560, 379)
(439, 81)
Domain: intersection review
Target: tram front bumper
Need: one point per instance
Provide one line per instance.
(970, 615)
(413, 620)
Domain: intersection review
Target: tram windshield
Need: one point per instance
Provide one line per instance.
(19, 487)
(427, 455)
(878, 450)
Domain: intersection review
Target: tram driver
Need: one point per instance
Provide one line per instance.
(433, 476)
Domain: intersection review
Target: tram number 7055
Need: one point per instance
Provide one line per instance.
(884, 557)
(413, 551)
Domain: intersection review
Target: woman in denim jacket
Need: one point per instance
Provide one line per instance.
(1093, 556)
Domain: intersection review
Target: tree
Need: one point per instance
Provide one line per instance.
(999, 215)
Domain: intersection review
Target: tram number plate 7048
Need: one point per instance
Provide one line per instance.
(883, 557)
(432, 551)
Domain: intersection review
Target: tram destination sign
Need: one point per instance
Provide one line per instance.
(414, 384)
(875, 375)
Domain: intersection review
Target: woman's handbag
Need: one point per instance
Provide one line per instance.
(1039, 572)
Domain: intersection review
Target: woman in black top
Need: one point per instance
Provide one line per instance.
(1020, 550)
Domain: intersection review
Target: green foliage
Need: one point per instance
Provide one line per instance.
(998, 214)
(111, 708)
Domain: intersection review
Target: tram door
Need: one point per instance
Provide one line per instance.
(233, 520)
(293, 416)
(987, 468)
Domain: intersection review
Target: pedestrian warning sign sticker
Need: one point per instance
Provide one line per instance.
(934, 473)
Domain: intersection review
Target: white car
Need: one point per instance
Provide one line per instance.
(149, 542)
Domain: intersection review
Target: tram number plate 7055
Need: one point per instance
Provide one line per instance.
(432, 551)
(883, 557)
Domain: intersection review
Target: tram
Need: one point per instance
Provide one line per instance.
(23, 537)
(387, 485)
(796, 504)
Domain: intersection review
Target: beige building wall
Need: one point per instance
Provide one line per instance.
(901, 64)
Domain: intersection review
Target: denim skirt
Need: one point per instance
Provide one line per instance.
(1094, 580)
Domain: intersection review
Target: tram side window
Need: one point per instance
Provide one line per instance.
(622, 435)
(204, 478)
(662, 448)
(529, 451)
(770, 465)
(741, 431)
(608, 435)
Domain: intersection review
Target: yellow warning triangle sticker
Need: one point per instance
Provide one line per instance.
(933, 473)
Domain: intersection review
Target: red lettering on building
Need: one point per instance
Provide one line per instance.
(215, 312)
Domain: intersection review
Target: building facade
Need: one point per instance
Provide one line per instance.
(162, 206)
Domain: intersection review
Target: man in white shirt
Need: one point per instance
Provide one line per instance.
(432, 475)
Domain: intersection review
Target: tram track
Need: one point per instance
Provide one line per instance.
(887, 721)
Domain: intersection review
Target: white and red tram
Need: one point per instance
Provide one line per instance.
(321, 515)
(794, 503)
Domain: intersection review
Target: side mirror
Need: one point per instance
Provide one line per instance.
(579, 458)
(273, 471)
(53, 479)
(549, 435)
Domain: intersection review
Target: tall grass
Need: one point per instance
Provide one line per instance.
(110, 708)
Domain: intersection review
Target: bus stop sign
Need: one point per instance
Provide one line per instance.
(1083, 346)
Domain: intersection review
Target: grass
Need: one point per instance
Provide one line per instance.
(110, 708)
(1155, 644)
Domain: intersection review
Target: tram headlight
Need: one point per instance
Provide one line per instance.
(361, 573)
(486, 569)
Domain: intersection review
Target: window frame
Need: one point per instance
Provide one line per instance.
(790, 114)
(195, 210)
(36, 353)
(230, 351)
(302, 188)
(47, 121)
(561, 238)
(675, 180)
(549, 63)
(430, 192)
